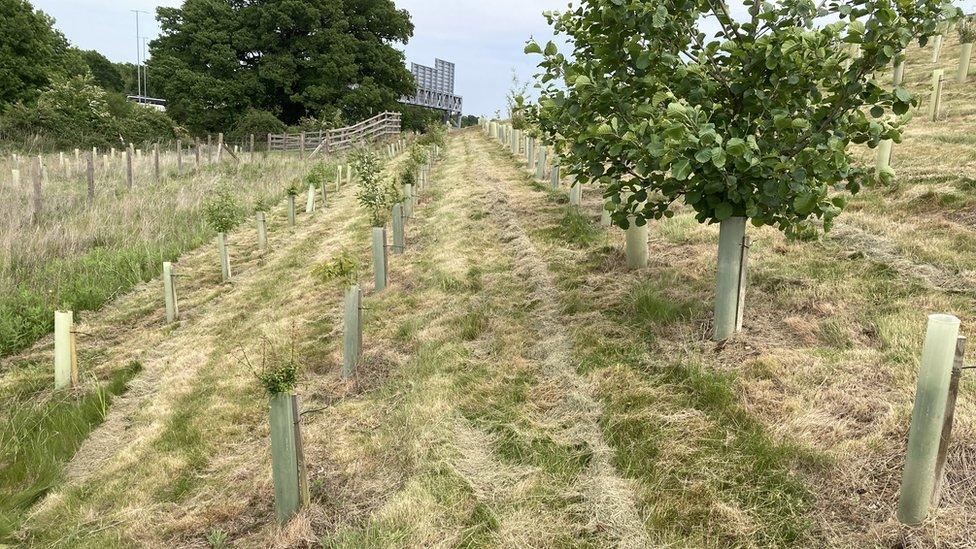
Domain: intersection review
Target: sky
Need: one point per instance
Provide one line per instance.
(485, 38)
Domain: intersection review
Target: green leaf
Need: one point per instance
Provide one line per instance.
(681, 169)
(723, 211)
(532, 47)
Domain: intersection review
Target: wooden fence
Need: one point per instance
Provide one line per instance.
(340, 139)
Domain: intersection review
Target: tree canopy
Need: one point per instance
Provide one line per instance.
(297, 59)
(753, 122)
(32, 52)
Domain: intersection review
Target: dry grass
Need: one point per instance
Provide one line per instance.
(521, 388)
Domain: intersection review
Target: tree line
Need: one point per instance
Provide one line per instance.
(222, 66)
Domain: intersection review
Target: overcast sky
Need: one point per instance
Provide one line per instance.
(484, 37)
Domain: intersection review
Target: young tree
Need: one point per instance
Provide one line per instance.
(753, 123)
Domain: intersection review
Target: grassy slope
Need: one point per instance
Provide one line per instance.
(520, 387)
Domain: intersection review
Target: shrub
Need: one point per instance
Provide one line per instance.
(278, 371)
(318, 175)
(222, 210)
(259, 123)
(343, 268)
(967, 31)
(377, 194)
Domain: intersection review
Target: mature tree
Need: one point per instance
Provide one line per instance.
(753, 123)
(105, 72)
(296, 59)
(32, 53)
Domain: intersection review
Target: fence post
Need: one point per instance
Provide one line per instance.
(284, 457)
(380, 275)
(352, 338)
(251, 145)
(224, 257)
(38, 200)
(179, 157)
(156, 161)
(729, 286)
(196, 150)
(169, 293)
(262, 231)
(91, 179)
(928, 416)
(128, 167)
(65, 365)
(399, 241)
(220, 147)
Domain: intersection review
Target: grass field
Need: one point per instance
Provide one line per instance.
(521, 387)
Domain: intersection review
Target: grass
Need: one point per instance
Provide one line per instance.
(79, 256)
(37, 439)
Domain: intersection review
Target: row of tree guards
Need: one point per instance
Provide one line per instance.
(288, 465)
(943, 353)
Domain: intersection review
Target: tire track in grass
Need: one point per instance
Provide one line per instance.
(568, 412)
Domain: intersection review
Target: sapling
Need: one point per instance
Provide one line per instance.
(223, 213)
(752, 122)
(967, 35)
(292, 192)
(278, 376)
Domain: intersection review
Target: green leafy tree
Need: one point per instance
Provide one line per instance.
(753, 121)
(105, 72)
(259, 123)
(300, 58)
(469, 120)
(377, 194)
(32, 52)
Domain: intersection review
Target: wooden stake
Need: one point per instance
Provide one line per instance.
(220, 147)
(928, 418)
(91, 179)
(179, 157)
(196, 150)
(38, 200)
(252, 148)
(209, 149)
(946, 438)
(352, 339)
(156, 161)
(128, 167)
(291, 210)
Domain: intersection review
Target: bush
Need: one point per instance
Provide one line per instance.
(377, 194)
(343, 268)
(222, 211)
(74, 112)
(259, 123)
